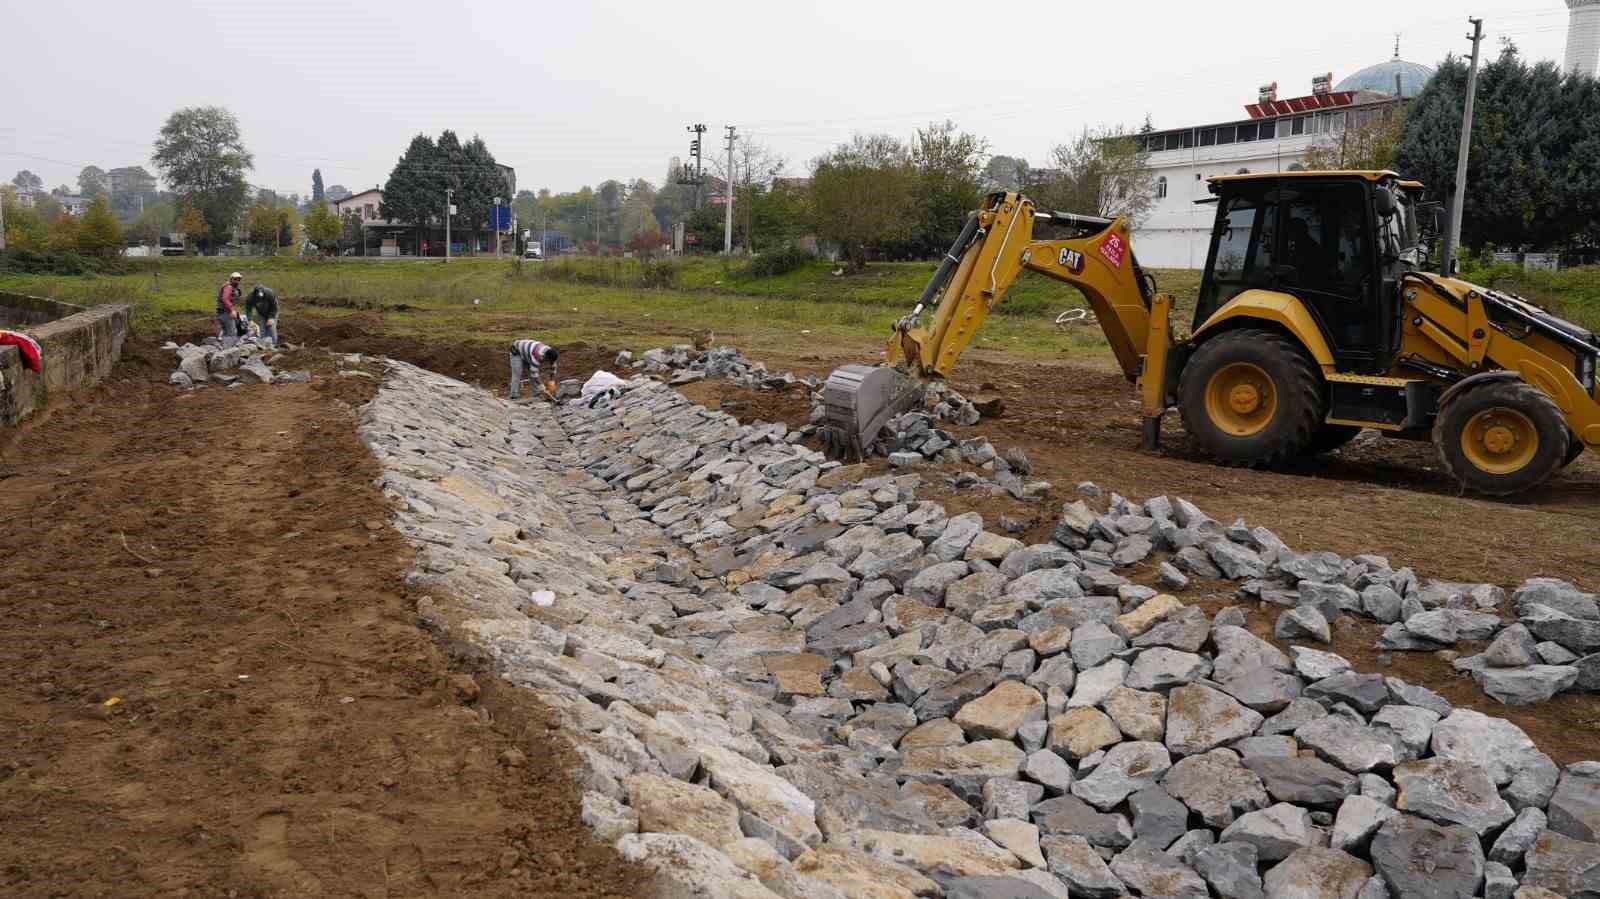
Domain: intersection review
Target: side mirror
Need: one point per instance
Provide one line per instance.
(1383, 199)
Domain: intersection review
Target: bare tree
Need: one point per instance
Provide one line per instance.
(1102, 172)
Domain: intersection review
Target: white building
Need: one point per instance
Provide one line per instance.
(1274, 138)
(1583, 37)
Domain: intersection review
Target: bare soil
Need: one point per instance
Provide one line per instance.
(215, 683)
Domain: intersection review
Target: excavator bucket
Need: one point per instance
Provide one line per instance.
(858, 401)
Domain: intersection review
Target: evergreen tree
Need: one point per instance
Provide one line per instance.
(316, 185)
(99, 234)
(415, 191)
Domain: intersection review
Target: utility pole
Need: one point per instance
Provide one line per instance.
(694, 153)
(449, 207)
(1452, 237)
(727, 199)
(496, 224)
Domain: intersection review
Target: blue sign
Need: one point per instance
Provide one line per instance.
(500, 218)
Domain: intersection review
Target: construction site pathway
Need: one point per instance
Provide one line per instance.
(213, 680)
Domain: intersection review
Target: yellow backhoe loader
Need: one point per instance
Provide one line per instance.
(1314, 320)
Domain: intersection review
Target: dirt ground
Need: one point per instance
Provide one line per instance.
(215, 682)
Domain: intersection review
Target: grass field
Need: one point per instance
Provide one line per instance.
(589, 299)
(629, 302)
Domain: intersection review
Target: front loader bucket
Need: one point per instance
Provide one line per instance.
(858, 401)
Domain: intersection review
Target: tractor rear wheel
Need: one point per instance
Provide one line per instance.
(1501, 438)
(1251, 397)
(1330, 437)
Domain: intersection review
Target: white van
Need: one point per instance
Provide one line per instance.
(533, 252)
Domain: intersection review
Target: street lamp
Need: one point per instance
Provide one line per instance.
(497, 227)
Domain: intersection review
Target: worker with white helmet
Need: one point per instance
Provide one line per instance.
(228, 317)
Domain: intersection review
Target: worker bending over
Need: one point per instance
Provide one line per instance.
(228, 318)
(262, 305)
(531, 355)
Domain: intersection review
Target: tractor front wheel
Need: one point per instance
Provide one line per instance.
(1251, 397)
(1501, 438)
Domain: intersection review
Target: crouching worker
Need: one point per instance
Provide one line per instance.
(262, 306)
(530, 356)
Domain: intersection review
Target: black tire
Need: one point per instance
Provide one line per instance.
(1574, 449)
(1295, 382)
(1330, 437)
(1513, 400)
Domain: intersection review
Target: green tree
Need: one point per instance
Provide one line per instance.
(191, 223)
(336, 192)
(860, 192)
(322, 226)
(288, 227)
(24, 229)
(156, 220)
(135, 190)
(351, 234)
(261, 221)
(415, 191)
(92, 181)
(48, 208)
(1102, 172)
(316, 185)
(202, 157)
(27, 181)
(99, 235)
(1005, 173)
(64, 233)
(949, 167)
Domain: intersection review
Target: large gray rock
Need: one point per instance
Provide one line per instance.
(1451, 792)
(1126, 768)
(1304, 781)
(1418, 858)
(1161, 668)
(963, 769)
(1267, 690)
(1230, 868)
(1350, 745)
(1294, 715)
(1065, 815)
(1158, 817)
(1235, 561)
(1276, 831)
(1525, 686)
(1449, 625)
(1411, 725)
(1050, 770)
(1366, 693)
(1302, 623)
(1494, 744)
(1518, 837)
(929, 584)
(1575, 808)
(1558, 595)
(1094, 643)
(1514, 647)
(943, 700)
(1072, 859)
(1533, 783)
(1138, 714)
(1358, 819)
(1381, 602)
(1215, 786)
(1317, 873)
(1315, 664)
(1564, 865)
(1095, 684)
(1200, 718)
(1150, 872)
(959, 532)
(1581, 635)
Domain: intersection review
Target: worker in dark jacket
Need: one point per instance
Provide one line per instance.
(228, 317)
(262, 306)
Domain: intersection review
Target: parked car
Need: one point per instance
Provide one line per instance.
(533, 252)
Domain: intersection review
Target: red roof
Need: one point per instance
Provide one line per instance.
(1300, 104)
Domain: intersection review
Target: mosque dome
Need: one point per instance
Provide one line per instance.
(1381, 78)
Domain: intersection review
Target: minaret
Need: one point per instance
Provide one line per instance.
(1583, 37)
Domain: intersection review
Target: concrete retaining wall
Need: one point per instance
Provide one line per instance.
(79, 350)
(20, 310)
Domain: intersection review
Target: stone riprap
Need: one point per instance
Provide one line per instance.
(781, 679)
(246, 362)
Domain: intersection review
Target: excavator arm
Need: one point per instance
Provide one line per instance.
(994, 248)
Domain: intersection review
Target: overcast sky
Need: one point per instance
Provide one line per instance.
(577, 92)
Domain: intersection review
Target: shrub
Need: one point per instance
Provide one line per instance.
(778, 262)
(24, 261)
